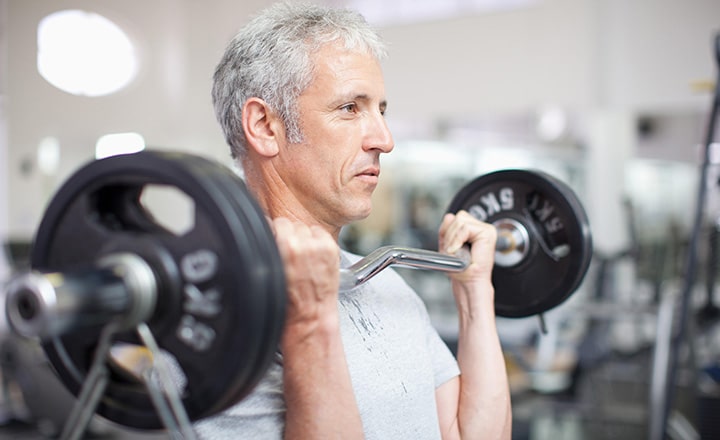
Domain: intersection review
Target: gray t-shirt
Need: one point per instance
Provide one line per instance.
(396, 360)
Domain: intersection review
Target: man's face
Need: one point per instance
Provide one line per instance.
(334, 170)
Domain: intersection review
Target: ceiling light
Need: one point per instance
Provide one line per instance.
(84, 53)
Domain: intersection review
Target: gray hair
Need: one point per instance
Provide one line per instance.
(270, 58)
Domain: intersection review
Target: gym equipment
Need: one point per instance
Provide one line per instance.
(664, 383)
(549, 231)
(152, 327)
(104, 260)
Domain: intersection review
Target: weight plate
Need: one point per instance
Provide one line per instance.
(227, 181)
(560, 247)
(221, 287)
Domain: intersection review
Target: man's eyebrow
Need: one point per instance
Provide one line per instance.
(365, 97)
(360, 97)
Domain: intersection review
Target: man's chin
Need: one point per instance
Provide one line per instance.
(361, 214)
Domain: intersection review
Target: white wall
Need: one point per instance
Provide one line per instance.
(585, 55)
(3, 137)
(581, 54)
(499, 62)
(654, 49)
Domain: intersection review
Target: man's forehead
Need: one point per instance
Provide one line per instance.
(347, 66)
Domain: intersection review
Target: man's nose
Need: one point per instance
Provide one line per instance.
(378, 135)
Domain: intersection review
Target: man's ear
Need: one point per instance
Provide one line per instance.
(262, 127)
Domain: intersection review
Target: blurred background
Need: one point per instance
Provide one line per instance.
(610, 96)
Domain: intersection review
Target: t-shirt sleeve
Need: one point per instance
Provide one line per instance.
(444, 363)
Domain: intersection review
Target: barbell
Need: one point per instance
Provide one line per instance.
(111, 288)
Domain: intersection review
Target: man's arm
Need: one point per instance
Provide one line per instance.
(318, 391)
(477, 403)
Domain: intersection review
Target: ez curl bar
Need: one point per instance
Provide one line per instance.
(123, 285)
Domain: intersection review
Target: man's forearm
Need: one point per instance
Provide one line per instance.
(318, 391)
(484, 401)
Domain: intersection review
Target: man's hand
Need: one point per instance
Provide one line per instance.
(462, 228)
(311, 260)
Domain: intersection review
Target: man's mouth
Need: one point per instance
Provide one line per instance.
(372, 172)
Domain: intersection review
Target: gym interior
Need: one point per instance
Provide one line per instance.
(616, 100)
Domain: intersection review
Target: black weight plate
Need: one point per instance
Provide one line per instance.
(228, 182)
(270, 309)
(223, 350)
(555, 219)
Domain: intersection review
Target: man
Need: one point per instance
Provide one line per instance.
(300, 96)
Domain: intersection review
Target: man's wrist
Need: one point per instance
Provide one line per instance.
(321, 330)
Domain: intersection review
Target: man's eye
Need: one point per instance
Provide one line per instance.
(350, 108)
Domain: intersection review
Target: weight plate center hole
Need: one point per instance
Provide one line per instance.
(169, 207)
(513, 242)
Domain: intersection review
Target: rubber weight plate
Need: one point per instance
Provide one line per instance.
(221, 291)
(266, 250)
(560, 247)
